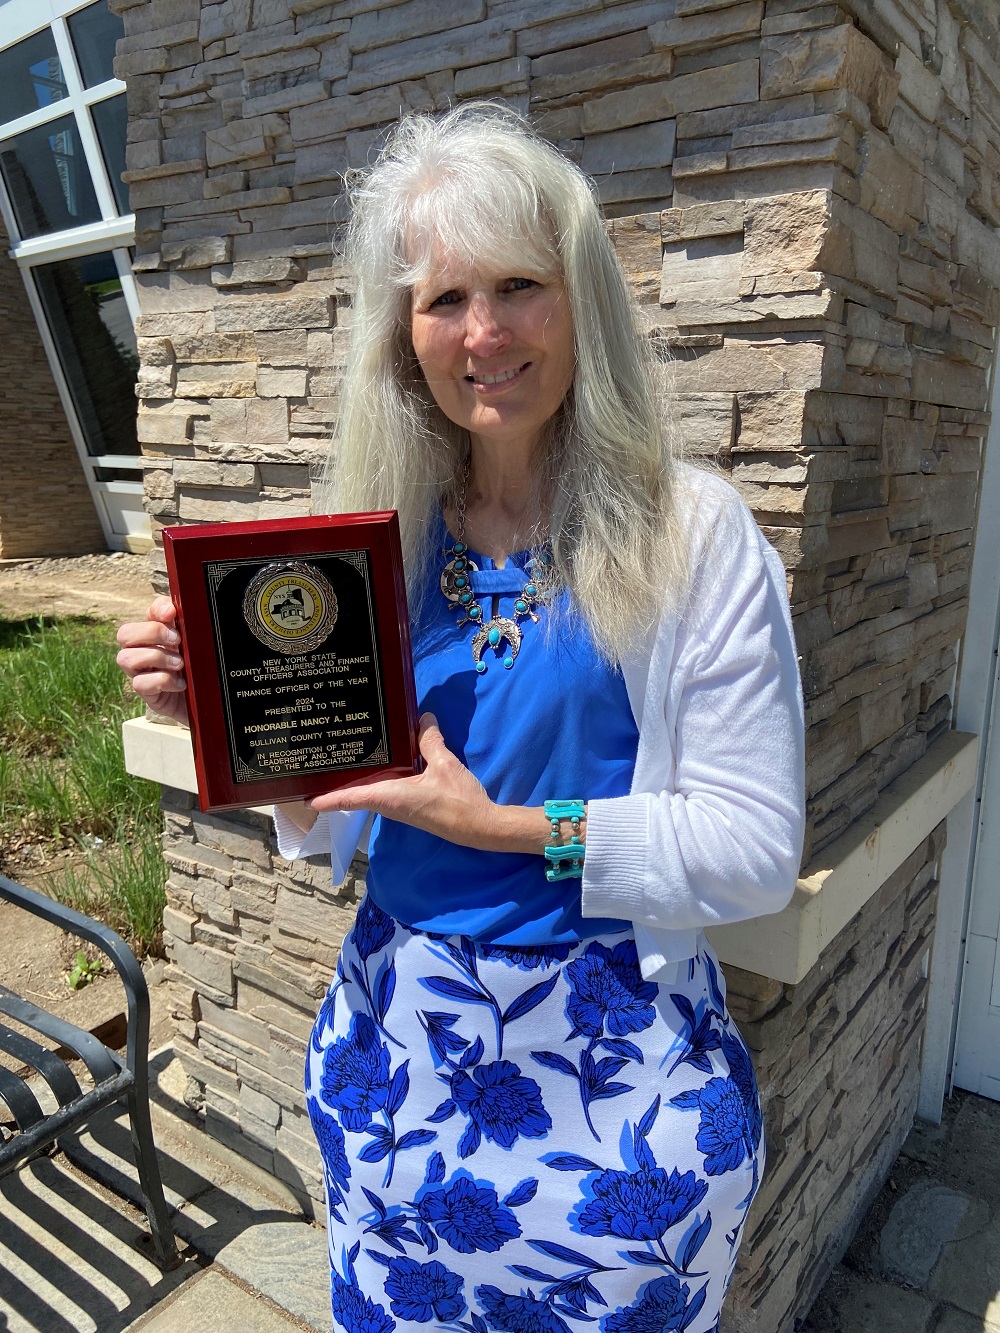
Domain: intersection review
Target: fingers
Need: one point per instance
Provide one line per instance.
(429, 738)
(381, 796)
(159, 629)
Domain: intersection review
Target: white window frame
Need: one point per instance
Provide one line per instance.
(115, 233)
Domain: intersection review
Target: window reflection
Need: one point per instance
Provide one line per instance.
(94, 32)
(47, 178)
(92, 329)
(111, 124)
(30, 76)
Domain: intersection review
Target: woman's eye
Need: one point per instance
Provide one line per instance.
(446, 298)
(520, 284)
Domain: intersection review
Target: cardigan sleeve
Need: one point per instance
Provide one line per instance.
(717, 837)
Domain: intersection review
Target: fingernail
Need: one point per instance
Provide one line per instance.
(173, 636)
(175, 661)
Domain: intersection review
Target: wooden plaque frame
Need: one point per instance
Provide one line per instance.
(269, 612)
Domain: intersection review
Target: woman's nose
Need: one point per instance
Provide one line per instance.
(485, 329)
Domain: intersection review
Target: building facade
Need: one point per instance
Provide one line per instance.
(72, 479)
(806, 199)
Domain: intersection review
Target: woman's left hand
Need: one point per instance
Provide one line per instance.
(445, 799)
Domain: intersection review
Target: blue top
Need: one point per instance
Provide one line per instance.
(556, 726)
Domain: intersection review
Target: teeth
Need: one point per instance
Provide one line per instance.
(496, 379)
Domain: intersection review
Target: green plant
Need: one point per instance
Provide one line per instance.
(122, 881)
(84, 971)
(62, 772)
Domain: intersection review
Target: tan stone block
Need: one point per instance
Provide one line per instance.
(573, 24)
(273, 383)
(918, 85)
(770, 420)
(701, 220)
(200, 252)
(256, 272)
(704, 31)
(221, 507)
(840, 57)
(202, 347)
(172, 296)
(597, 76)
(786, 232)
(718, 86)
(891, 190)
(155, 351)
(221, 380)
(380, 26)
(702, 424)
(283, 99)
(272, 313)
(471, 44)
(289, 347)
(636, 240)
(156, 381)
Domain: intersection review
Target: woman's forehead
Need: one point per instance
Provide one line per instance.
(461, 271)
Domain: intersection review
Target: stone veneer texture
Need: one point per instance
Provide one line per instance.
(45, 504)
(804, 196)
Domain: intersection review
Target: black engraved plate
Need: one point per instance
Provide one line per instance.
(297, 648)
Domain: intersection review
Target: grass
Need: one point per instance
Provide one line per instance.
(62, 773)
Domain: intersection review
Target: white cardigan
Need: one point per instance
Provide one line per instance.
(712, 829)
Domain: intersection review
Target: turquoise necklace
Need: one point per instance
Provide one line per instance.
(501, 633)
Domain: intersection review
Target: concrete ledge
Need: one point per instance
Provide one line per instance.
(161, 752)
(837, 883)
(833, 887)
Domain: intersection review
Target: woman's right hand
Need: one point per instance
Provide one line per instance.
(151, 658)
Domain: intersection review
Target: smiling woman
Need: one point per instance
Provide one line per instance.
(530, 1099)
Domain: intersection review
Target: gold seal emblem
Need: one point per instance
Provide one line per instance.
(290, 607)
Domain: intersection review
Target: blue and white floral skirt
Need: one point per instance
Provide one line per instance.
(529, 1139)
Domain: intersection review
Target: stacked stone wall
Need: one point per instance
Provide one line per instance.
(45, 503)
(804, 197)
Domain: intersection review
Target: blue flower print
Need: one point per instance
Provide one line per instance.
(722, 1131)
(468, 1216)
(330, 1138)
(528, 956)
(373, 928)
(741, 1072)
(356, 1074)
(423, 1292)
(730, 1128)
(354, 1312)
(502, 1102)
(518, 1314)
(640, 1205)
(660, 1309)
(608, 988)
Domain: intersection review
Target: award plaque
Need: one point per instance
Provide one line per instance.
(296, 645)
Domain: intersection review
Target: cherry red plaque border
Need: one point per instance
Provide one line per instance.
(188, 549)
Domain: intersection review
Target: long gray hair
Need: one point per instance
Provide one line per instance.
(478, 182)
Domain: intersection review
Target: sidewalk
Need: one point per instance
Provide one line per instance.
(74, 1257)
(926, 1258)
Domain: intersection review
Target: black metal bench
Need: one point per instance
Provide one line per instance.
(113, 1079)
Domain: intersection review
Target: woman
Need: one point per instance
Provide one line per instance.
(531, 1103)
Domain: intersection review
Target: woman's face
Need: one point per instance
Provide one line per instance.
(496, 349)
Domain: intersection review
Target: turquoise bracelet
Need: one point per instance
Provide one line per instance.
(565, 861)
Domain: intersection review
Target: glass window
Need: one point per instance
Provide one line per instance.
(92, 329)
(30, 76)
(47, 178)
(94, 32)
(111, 124)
